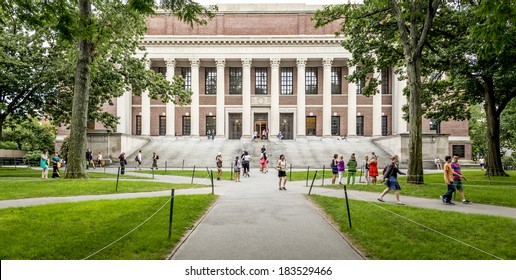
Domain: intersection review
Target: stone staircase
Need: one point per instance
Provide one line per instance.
(301, 154)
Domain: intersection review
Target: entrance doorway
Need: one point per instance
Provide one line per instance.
(260, 125)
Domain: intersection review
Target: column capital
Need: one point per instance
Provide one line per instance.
(246, 62)
(170, 62)
(195, 62)
(221, 62)
(275, 62)
(301, 62)
(327, 62)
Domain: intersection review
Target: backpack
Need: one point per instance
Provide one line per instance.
(157, 157)
(385, 169)
(136, 158)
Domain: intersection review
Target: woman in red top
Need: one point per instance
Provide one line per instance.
(373, 169)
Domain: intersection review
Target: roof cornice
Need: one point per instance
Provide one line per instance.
(154, 40)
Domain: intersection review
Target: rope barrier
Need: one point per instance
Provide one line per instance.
(123, 236)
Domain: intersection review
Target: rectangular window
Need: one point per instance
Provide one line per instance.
(311, 125)
(211, 124)
(385, 81)
(260, 80)
(235, 80)
(458, 150)
(335, 125)
(287, 80)
(360, 125)
(186, 125)
(336, 80)
(161, 70)
(311, 80)
(138, 125)
(162, 125)
(211, 80)
(186, 72)
(360, 85)
(385, 132)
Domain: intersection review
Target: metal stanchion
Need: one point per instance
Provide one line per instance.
(323, 169)
(171, 214)
(117, 177)
(193, 173)
(347, 205)
(310, 191)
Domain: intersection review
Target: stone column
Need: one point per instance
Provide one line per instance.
(146, 107)
(327, 62)
(377, 108)
(352, 105)
(171, 107)
(221, 132)
(124, 110)
(194, 106)
(399, 125)
(275, 88)
(246, 99)
(301, 102)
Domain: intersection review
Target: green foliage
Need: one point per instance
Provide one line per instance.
(8, 145)
(477, 131)
(30, 135)
(508, 126)
(509, 160)
(32, 158)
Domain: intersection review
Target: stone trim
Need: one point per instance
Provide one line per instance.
(238, 40)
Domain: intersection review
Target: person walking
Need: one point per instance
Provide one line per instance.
(89, 159)
(391, 181)
(373, 169)
(482, 162)
(99, 159)
(56, 161)
(263, 163)
(334, 168)
(448, 180)
(155, 158)
(457, 178)
(340, 167)
(263, 149)
(43, 163)
(218, 160)
(365, 167)
(123, 162)
(352, 169)
(281, 166)
(139, 160)
(246, 160)
(237, 165)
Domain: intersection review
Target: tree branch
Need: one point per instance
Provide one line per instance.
(432, 9)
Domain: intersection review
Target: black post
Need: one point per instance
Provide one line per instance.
(231, 172)
(117, 177)
(207, 170)
(171, 214)
(212, 186)
(307, 174)
(310, 191)
(183, 165)
(193, 173)
(290, 172)
(323, 169)
(347, 205)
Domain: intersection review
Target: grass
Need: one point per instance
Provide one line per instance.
(25, 172)
(73, 231)
(391, 232)
(199, 173)
(478, 188)
(16, 189)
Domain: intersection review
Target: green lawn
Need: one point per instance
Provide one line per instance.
(24, 172)
(27, 188)
(73, 231)
(478, 188)
(391, 232)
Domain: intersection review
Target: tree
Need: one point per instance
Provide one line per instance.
(476, 53)
(381, 34)
(30, 134)
(107, 39)
(27, 64)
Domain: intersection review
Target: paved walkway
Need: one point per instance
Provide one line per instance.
(254, 220)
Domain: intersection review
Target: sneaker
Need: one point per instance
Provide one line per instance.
(465, 201)
(449, 203)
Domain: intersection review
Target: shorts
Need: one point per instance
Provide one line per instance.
(334, 171)
(282, 173)
(458, 184)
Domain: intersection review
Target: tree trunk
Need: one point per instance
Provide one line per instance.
(77, 150)
(494, 165)
(2, 119)
(415, 163)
